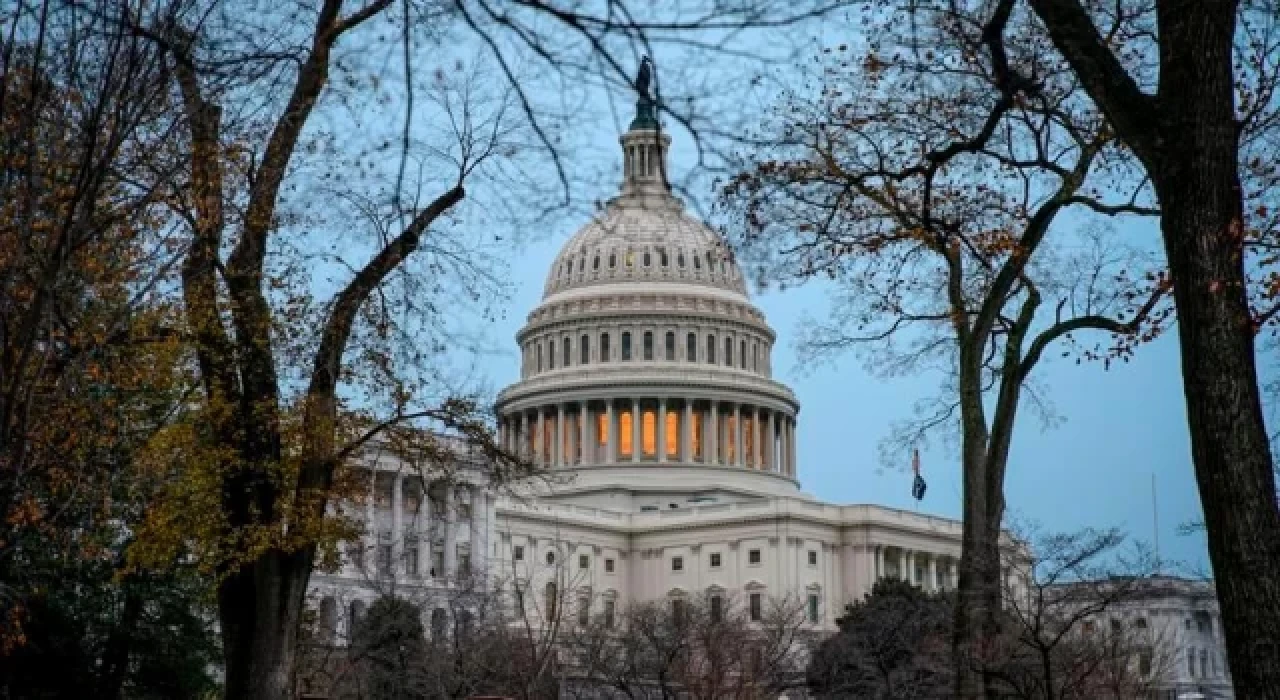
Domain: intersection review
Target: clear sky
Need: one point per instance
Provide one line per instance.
(1119, 427)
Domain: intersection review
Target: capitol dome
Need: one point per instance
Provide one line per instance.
(645, 357)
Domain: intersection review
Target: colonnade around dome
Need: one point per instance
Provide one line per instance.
(605, 432)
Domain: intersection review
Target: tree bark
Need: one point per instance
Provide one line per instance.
(1187, 135)
(259, 607)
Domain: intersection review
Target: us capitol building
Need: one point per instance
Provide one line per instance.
(646, 394)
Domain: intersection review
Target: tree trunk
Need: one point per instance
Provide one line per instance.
(978, 590)
(1202, 229)
(1197, 180)
(259, 608)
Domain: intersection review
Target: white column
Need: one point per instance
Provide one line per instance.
(584, 425)
(424, 529)
(791, 447)
(757, 439)
(451, 532)
(540, 441)
(953, 577)
(397, 524)
(370, 521)
(879, 572)
(686, 432)
(771, 437)
(559, 459)
(478, 510)
(661, 432)
(611, 415)
(739, 459)
(713, 435)
(933, 573)
(637, 430)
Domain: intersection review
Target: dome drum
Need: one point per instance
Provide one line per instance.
(653, 430)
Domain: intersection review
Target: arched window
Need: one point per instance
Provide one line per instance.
(604, 347)
(711, 350)
(671, 346)
(648, 345)
(742, 355)
(328, 619)
(551, 600)
(691, 348)
(551, 354)
(355, 614)
(626, 346)
(728, 351)
(584, 349)
(439, 619)
(565, 351)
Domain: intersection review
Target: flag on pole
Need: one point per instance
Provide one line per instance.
(917, 486)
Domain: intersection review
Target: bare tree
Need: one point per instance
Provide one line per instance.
(705, 647)
(957, 189)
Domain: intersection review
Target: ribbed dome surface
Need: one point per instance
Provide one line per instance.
(644, 240)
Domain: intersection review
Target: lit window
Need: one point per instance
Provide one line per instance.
(756, 605)
(673, 434)
(631, 259)
(677, 563)
(624, 433)
(648, 345)
(695, 430)
(602, 429)
(753, 556)
(648, 433)
(626, 346)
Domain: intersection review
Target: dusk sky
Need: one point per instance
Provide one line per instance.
(1118, 427)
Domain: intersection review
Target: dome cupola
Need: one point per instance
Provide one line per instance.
(646, 351)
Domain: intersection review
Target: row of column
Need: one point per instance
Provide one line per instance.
(653, 430)
(907, 559)
(422, 527)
